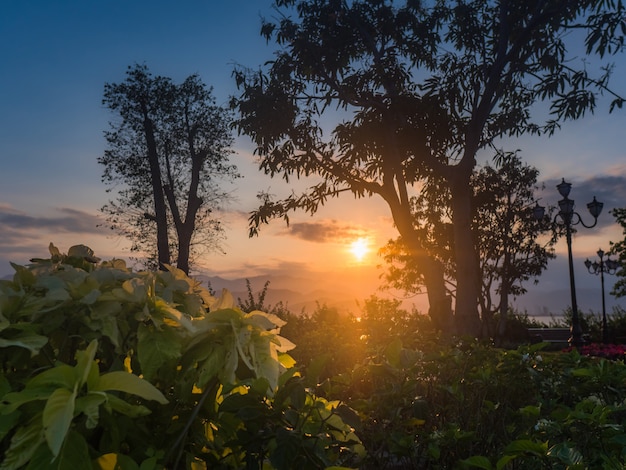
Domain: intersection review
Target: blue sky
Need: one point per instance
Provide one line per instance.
(56, 57)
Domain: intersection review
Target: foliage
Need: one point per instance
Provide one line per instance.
(164, 158)
(472, 406)
(328, 342)
(372, 97)
(505, 231)
(148, 370)
(619, 248)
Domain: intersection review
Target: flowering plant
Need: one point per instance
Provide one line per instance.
(608, 351)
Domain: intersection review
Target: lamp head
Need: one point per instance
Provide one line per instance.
(595, 207)
(612, 264)
(538, 211)
(564, 188)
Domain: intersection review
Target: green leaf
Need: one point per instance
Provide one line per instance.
(265, 358)
(566, 453)
(5, 385)
(173, 317)
(263, 321)
(74, 454)
(349, 416)
(24, 443)
(84, 362)
(106, 313)
(478, 461)
(57, 417)
(29, 341)
(503, 461)
(89, 405)
(59, 376)
(133, 411)
(56, 288)
(23, 276)
(527, 446)
(156, 348)
(212, 365)
(12, 401)
(8, 422)
(129, 383)
(149, 464)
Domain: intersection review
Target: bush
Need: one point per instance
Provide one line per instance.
(148, 370)
(474, 406)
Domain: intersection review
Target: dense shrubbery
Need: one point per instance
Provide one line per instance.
(437, 406)
(147, 370)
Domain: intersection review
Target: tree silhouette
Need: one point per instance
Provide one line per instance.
(419, 89)
(164, 158)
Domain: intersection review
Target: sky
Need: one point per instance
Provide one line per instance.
(56, 56)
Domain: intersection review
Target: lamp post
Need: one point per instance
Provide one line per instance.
(608, 266)
(569, 218)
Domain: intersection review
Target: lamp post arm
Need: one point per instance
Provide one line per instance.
(580, 221)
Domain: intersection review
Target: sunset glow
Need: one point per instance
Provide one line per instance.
(359, 248)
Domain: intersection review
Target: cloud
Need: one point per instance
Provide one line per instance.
(69, 220)
(610, 189)
(25, 235)
(324, 231)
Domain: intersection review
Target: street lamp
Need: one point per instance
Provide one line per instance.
(608, 266)
(569, 218)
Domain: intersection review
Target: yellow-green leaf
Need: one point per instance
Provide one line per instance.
(155, 348)
(113, 461)
(129, 383)
(85, 361)
(59, 376)
(57, 417)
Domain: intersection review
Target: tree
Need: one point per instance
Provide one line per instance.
(421, 87)
(512, 246)
(167, 153)
(619, 248)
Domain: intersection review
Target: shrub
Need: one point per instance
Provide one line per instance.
(148, 370)
(473, 406)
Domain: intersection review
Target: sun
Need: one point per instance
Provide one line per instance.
(359, 248)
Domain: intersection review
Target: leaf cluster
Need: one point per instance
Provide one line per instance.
(619, 248)
(469, 405)
(149, 370)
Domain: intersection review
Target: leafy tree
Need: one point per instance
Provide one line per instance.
(619, 248)
(512, 246)
(166, 153)
(420, 88)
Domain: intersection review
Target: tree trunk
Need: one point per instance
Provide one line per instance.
(467, 265)
(160, 210)
(439, 303)
(184, 249)
(504, 299)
